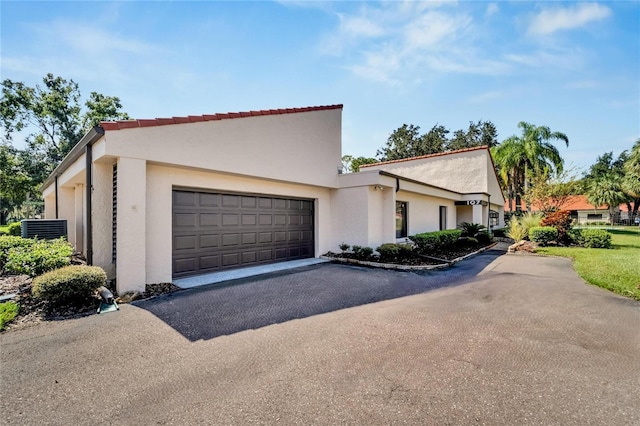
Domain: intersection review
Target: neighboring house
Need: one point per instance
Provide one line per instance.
(155, 200)
(581, 210)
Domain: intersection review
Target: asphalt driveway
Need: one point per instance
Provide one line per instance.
(494, 340)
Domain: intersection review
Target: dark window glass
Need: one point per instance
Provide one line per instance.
(401, 219)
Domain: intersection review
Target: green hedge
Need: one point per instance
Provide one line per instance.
(69, 286)
(543, 235)
(362, 253)
(33, 257)
(15, 229)
(591, 238)
(391, 252)
(437, 240)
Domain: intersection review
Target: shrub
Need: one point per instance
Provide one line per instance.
(516, 231)
(543, 235)
(467, 241)
(470, 229)
(529, 220)
(344, 247)
(574, 235)
(483, 238)
(39, 257)
(500, 232)
(3, 232)
(15, 229)
(9, 242)
(561, 220)
(391, 252)
(8, 311)
(362, 253)
(69, 286)
(595, 238)
(437, 240)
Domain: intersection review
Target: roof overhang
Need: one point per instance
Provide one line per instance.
(91, 137)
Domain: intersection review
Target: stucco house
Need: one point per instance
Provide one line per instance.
(154, 200)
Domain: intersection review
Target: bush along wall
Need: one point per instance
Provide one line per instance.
(592, 238)
(33, 257)
(435, 241)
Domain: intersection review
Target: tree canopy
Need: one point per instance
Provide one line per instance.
(52, 116)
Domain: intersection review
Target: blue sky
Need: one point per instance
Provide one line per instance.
(573, 66)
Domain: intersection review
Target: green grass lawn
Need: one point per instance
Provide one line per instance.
(616, 269)
(4, 228)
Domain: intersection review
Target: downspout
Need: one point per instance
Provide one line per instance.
(397, 184)
(489, 214)
(56, 191)
(89, 176)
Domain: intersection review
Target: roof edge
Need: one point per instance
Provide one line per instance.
(420, 157)
(89, 138)
(129, 124)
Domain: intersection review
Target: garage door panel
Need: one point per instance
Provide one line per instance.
(187, 242)
(184, 220)
(216, 231)
(209, 241)
(209, 219)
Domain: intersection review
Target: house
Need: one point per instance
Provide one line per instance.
(584, 212)
(155, 200)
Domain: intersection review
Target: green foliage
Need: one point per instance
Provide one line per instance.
(15, 229)
(39, 257)
(483, 237)
(8, 242)
(69, 286)
(434, 241)
(516, 231)
(351, 164)
(594, 238)
(344, 247)
(543, 235)
(394, 253)
(470, 229)
(8, 311)
(362, 253)
(561, 220)
(500, 232)
(467, 241)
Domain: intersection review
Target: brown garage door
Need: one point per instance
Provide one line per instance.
(218, 231)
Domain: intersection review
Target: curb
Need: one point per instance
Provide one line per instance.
(397, 267)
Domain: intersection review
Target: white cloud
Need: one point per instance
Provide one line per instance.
(549, 21)
(492, 9)
(359, 26)
(432, 28)
(486, 96)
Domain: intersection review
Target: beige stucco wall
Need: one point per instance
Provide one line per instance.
(160, 181)
(299, 147)
(423, 212)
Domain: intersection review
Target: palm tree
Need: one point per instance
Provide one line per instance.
(520, 157)
(606, 190)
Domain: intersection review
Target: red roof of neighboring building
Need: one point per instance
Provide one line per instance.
(438, 154)
(573, 202)
(128, 124)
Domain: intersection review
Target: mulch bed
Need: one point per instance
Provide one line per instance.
(34, 310)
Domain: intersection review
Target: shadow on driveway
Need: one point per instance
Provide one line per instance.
(211, 311)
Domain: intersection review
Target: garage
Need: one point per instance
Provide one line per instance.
(215, 231)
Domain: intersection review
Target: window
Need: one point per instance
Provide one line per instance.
(443, 218)
(594, 216)
(493, 218)
(401, 219)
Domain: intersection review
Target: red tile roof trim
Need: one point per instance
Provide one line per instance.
(130, 124)
(438, 154)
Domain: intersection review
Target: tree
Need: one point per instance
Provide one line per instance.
(620, 170)
(606, 190)
(551, 192)
(54, 114)
(351, 164)
(56, 121)
(406, 142)
(519, 158)
(15, 184)
(482, 133)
